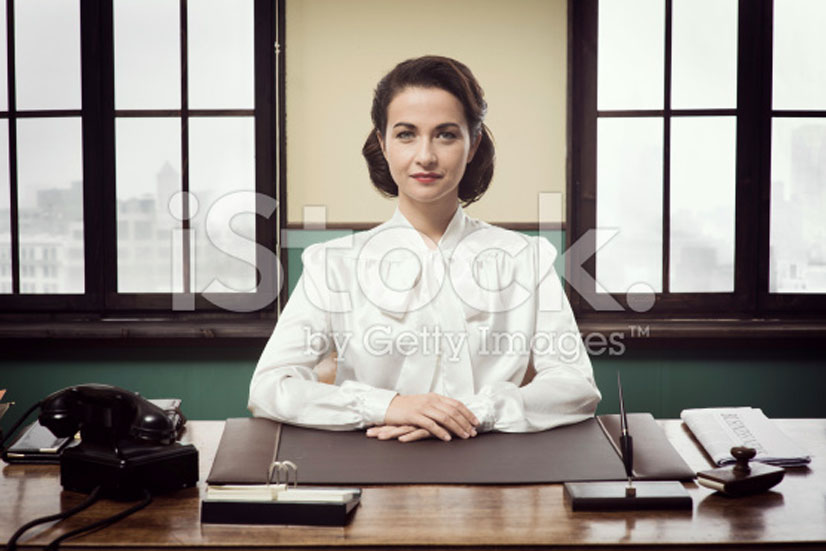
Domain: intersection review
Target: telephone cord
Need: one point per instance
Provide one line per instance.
(103, 523)
(92, 498)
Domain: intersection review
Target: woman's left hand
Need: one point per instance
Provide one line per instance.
(405, 433)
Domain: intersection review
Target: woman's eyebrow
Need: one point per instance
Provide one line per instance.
(439, 127)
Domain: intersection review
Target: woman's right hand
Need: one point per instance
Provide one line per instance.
(404, 433)
(437, 414)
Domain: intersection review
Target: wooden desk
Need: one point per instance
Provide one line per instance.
(533, 516)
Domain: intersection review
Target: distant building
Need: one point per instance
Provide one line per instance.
(149, 244)
(51, 244)
(798, 232)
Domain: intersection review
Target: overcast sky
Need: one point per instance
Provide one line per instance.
(147, 76)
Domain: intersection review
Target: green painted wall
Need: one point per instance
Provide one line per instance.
(212, 378)
(784, 380)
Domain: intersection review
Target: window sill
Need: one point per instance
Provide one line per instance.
(640, 330)
(138, 329)
(634, 330)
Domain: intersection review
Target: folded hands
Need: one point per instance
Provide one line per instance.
(418, 416)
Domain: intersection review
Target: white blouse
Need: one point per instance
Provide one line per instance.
(463, 320)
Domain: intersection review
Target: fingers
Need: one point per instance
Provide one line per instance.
(417, 434)
(406, 433)
(453, 415)
(438, 415)
(387, 432)
(465, 412)
(456, 417)
(447, 422)
(426, 422)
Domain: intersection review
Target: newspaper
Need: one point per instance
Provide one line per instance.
(720, 429)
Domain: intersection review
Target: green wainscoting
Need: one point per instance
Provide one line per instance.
(786, 380)
(211, 379)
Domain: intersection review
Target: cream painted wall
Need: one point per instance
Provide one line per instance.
(336, 52)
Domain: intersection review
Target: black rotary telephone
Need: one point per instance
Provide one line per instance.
(127, 444)
(128, 451)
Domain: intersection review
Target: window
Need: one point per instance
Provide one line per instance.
(138, 155)
(797, 237)
(698, 143)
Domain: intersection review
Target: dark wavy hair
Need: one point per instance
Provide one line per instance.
(449, 75)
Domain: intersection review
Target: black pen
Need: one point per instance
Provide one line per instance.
(626, 442)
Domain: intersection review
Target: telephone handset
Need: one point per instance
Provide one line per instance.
(127, 444)
(105, 415)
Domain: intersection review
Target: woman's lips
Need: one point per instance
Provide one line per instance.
(426, 177)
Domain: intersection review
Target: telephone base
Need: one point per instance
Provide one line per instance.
(158, 469)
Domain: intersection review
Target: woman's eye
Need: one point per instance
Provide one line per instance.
(447, 135)
(404, 135)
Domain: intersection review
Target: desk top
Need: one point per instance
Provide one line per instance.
(447, 515)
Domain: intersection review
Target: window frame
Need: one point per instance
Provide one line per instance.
(101, 300)
(750, 301)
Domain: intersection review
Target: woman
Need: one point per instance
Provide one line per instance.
(435, 317)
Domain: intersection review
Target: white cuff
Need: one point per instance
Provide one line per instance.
(373, 405)
(482, 406)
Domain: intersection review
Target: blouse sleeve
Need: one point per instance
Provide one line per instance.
(563, 390)
(284, 386)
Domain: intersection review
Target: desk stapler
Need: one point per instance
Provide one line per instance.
(742, 478)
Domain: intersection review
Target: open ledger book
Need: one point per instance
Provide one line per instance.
(720, 429)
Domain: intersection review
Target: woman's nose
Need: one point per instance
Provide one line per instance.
(426, 156)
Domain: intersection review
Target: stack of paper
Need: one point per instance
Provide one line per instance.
(280, 492)
(720, 429)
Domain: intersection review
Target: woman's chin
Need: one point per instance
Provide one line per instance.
(428, 195)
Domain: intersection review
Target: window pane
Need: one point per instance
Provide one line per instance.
(702, 204)
(147, 54)
(799, 42)
(50, 203)
(47, 54)
(629, 192)
(631, 54)
(4, 77)
(704, 54)
(220, 50)
(222, 164)
(148, 173)
(5, 211)
(798, 227)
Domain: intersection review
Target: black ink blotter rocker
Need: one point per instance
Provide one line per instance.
(629, 495)
(742, 479)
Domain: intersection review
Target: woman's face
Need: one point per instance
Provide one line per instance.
(427, 144)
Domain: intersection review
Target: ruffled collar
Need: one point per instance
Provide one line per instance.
(452, 236)
(403, 274)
